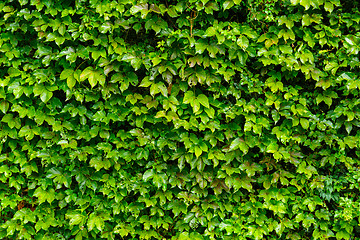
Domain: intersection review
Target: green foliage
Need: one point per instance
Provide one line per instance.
(211, 119)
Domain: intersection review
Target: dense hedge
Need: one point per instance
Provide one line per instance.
(166, 119)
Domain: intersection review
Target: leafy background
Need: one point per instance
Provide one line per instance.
(166, 119)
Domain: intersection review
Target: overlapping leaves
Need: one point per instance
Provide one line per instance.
(179, 120)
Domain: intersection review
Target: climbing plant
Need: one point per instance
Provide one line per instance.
(179, 119)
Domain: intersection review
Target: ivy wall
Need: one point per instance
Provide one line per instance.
(179, 119)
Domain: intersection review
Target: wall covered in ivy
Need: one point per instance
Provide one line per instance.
(179, 119)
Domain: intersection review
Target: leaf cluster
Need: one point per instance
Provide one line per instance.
(179, 119)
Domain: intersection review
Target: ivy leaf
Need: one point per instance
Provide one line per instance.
(71, 81)
(95, 221)
(306, 20)
(75, 218)
(305, 4)
(342, 235)
(89, 74)
(243, 42)
(200, 46)
(210, 32)
(145, 82)
(228, 4)
(196, 106)
(239, 143)
(148, 174)
(154, 89)
(198, 151)
(163, 89)
(196, 236)
(7, 118)
(66, 73)
(203, 100)
(304, 123)
(184, 236)
(4, 106)
(45, 96)
(92, 79)
(189, 97)
(329, 7)
(272, 147)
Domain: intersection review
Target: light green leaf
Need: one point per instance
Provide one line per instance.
(85, 73)
(203, 100)
(242, 41)
(184, 236)
(329, 7)
(342, 235)
(45, 96)
(198, 151)
(305, 4)
(100, 78)
(306, 20)
(239, 143)
(351, 141)
(210, 32)
(304, 123)
(196, 236)
(154, 89)
(75, 218)
(145, 82)
(7, 118)
(272, 147)
(196, 105)
(66, 73)
(4, 106)
(189, 97)
(210, 112)
(148, 174)
(92, 79)
(200, 47)
(71, 81)
(228, 4)
(89, 74)
(161, 86)
(286, 49)
(95, 221)
(105, 27)
(62, 29)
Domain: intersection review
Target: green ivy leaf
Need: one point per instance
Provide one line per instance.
(243, 42)
(71, 81)
(66, 73)
(304, 123)
(7, 118)
(239, 143)
(95, 221)
(163, 89)
(196, 236)
(198, 151)
(75, 218)
(90, 75)
(305, 4)
(228, 4)
(189, 97)
(203, 100)
(45, 96)
(184, 236)
(148, 174)
(210, 32)
(4, 106)
(196, 106)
